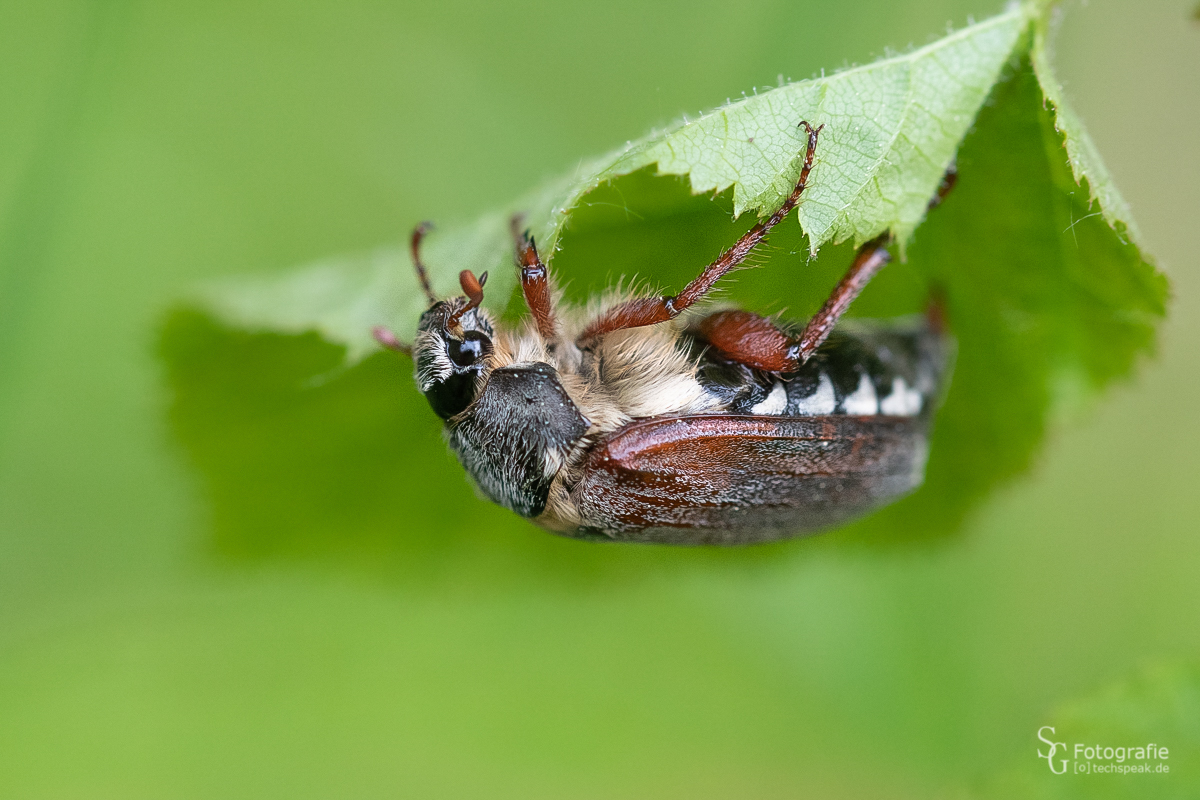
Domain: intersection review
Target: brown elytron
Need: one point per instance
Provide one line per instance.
(636, 424)
(808, 472)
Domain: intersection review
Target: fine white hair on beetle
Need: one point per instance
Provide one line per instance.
(650, 372)
(432, 362)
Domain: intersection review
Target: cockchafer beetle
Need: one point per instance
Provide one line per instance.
(648, 420)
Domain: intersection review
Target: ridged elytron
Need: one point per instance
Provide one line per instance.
(650, 420)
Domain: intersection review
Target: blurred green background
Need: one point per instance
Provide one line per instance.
(261, 608)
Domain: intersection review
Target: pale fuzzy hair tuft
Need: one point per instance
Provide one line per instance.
(649, 372)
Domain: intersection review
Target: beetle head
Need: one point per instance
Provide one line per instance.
(454, 341)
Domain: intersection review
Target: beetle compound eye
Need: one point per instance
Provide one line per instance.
(470, 350)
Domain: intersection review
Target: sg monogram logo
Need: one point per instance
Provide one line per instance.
(1053, 749)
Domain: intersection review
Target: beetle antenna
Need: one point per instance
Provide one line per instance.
(473, 288)
(415, 246)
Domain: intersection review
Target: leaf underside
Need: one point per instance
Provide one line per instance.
(1035, 252)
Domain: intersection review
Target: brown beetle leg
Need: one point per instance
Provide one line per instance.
(385, 336)
(871, 258)
(535, 281)
(652, 310)
(756, 342)
(747, 338)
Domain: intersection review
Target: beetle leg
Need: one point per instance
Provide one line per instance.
(871, 258)
(756, 341)
(535, 281)
(747, 338)
(414, 244)
(652, 310)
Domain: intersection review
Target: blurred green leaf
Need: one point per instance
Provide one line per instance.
(1160, 704)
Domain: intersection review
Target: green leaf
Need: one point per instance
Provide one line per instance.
(1047, 302)
(892, 129)
(1082, 155)
(1035, 251)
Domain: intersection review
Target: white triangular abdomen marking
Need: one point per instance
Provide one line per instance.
(774, 403)
(863, 400)
(902, 402)
(822, 401)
